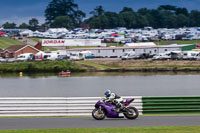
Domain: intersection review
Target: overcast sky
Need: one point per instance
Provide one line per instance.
(19, 11)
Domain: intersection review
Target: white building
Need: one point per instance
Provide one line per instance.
(119, 51)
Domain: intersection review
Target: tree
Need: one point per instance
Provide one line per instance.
(128, 19)
(113, 19)
(43, 27)
(8, 25)
(167, 8)
(143, 11)
(181, 20)
(194, 18)
(58, 8)
(169, 20)
(126, 9)
(141, 21)
(78, 17)
(24, 26)
(165, 16)
(158, 18)
(100, 22)
(62, 21)
(98, 11)
(183, 11)
(33, 24)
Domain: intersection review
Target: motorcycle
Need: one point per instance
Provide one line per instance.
(107, 109)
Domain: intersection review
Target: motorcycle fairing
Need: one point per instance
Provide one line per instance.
(108, 109)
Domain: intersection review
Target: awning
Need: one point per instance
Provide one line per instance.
(115, 34)
(2, 33)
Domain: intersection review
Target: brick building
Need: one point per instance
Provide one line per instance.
(15, 50)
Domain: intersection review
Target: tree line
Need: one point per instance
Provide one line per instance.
(66, 14)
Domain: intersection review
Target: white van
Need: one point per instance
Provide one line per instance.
(76, 56)
(50, 56)
(190, 55)
(129, 55)
(25, 57)
(163, 56)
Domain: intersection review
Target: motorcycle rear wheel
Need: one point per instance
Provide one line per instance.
(134, 113)
(98, 114)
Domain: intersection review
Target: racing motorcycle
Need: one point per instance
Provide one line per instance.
(107, 109)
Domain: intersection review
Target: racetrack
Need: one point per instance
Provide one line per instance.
(89, 122)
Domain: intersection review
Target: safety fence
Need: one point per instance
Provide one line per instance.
(171, 105)
(53, 106)
(83, 106)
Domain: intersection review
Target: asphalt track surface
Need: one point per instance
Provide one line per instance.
(89, 122)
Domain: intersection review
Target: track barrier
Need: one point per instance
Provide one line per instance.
(52, 106)
(83, 106)
(170, 105)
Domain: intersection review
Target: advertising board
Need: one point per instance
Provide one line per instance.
(71, 42)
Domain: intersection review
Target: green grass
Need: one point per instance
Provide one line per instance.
(37, 67)
(178, 42)
(87, 66)
(149, 65)
(115, 44)
(183, 129)
(37, 39)
(49, 49)
(6, 42)
(95, 65)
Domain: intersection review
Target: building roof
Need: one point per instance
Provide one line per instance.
(1, 50)
(14, 48)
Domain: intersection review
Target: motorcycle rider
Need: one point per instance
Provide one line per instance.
(115, 99)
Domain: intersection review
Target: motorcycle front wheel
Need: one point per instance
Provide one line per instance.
(132, 113)
(98, 114)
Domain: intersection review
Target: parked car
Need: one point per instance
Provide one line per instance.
(25, 57)
(176, 55)
(63, 57)
(162, 56)
(198, 56)
(76, 56)
(11, 60)
(129, 55)
(2, 60)
(50, 56)
(144, 56)
(46, 57)
(90, 56)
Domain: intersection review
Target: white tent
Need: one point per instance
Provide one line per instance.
(150, 44)
(57, 30)
(26, 33)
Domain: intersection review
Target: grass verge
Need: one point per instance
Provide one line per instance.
(6, 42)
(141, 65)
(101, 66)
(178, 42)
(184, 129)
(45, 67)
